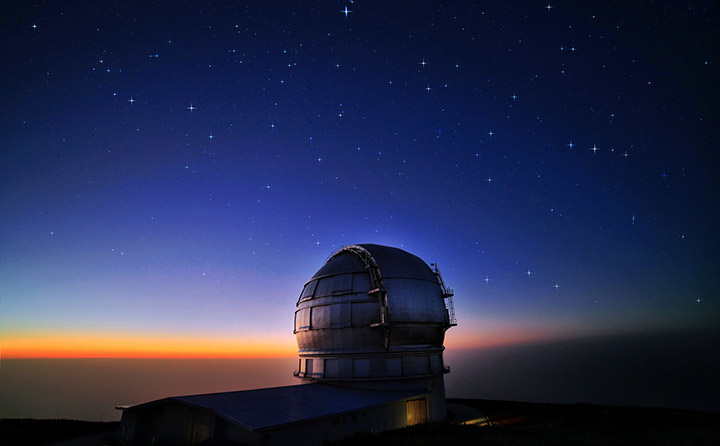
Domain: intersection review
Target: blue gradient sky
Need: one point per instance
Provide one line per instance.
(174, 170)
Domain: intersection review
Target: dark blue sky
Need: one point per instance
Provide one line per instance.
(181, 168)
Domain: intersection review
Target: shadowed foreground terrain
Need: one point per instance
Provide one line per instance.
(518, 423)
(39, 432)
(510, 423)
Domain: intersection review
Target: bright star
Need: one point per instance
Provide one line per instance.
(571, 144)
(529, 273)
(423, 63)
(594, 148)
(556, 286)
(191, 108)
(548, 7)
(131, 100)
(490, 133)
(346, 11)
(486, 279)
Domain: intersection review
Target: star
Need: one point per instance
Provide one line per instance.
(191, 108)
(529, 273)
(210, 136)
(514, 96)
(594, 148)
(131, 100)
(571, 145)
(346, 11)
(489, 180)
(664, 176)
(428, 88)
(34, 26)
(486, 279)
(556, 286)
(423, 63)
(625, 154)
(548, 7)
(491, 133)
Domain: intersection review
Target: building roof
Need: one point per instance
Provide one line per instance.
(264, 408)
(395, 262)
(392, 262)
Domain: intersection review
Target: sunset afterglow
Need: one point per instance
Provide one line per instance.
(126, 346)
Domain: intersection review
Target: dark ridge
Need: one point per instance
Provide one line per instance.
(512, 423)
(519, 423)
(31, 432)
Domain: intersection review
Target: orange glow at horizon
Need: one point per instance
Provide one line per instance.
(124, 346)
(177, 345)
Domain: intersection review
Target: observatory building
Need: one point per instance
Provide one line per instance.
(370, 326)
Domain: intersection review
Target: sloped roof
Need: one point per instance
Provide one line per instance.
(264, 408)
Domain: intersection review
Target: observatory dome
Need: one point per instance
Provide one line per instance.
(372, 312)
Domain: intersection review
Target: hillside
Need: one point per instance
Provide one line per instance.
(507, 423)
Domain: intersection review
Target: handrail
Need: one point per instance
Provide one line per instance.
(447, 294)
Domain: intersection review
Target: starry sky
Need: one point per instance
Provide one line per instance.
(172, 173)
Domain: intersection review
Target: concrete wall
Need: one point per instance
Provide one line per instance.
(177, 424)
(392, 416)
(166, 423)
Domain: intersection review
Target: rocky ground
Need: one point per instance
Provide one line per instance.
(471, 422)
